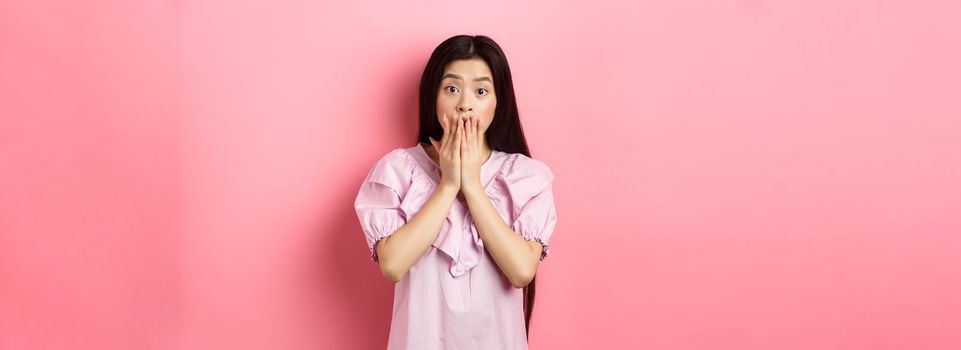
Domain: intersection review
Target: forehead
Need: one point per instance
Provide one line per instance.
(469, 69)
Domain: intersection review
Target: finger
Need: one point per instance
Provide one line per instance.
(463, 138)
(478, 133)
(469, 134)
(460, 137)
(464, 141)
(443, 120)
(473, 129)
(455, 132)
(445, 141)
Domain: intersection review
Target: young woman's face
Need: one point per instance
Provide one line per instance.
(467, 88)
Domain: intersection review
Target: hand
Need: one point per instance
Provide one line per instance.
(449, 153)
(472, 153)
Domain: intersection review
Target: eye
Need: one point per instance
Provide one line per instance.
(452, 89)
(482, 91)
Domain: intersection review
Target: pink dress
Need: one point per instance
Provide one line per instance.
(455, 296)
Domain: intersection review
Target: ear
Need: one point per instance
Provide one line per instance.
(434, 143)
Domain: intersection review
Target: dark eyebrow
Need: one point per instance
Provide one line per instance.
(458, 77)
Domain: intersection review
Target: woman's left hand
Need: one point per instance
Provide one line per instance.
(471, 153)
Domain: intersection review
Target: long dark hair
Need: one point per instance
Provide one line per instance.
(504, 134)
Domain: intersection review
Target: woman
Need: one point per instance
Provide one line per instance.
(461, 220)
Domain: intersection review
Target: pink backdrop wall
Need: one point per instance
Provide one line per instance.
(730, 174)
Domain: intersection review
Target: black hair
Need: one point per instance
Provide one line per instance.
(504, 134)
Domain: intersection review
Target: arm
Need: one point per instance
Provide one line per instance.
(399, 251)
(517, 257)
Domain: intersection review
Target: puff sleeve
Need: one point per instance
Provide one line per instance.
(378, 202)
(533, 197)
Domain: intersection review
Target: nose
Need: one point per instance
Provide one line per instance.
(463, 106)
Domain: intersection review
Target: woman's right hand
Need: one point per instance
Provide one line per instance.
(448, 153)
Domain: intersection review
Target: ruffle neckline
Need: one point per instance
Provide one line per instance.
(464, 246)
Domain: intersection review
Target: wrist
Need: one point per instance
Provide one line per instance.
(472, 188)
(447, 190)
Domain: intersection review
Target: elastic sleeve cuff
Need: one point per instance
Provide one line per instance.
(534, 236)
(547, 247)
(378, 234)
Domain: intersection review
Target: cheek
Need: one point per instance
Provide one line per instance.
(445, 104)
(488, 112)
(488, 108)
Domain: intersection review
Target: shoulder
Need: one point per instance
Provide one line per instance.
(395, 157)
(523, 178)
(393, 168)
(521, 167)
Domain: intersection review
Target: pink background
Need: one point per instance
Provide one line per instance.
(730, 174)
